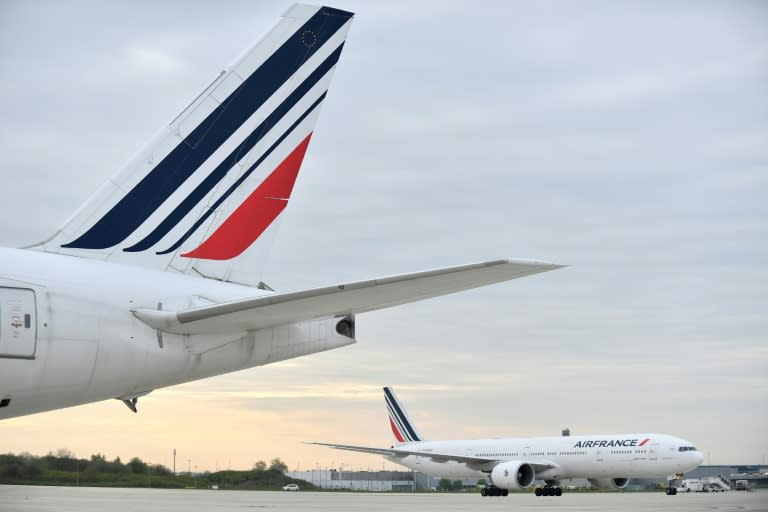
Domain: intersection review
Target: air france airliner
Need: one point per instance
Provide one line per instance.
(608, 461)
(149, 284)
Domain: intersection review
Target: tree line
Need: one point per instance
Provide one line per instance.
(64, 468)
(26, 465)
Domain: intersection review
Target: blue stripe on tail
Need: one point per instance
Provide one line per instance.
(209, 211)
(398, 423)
(222, 169)
(157, 186)
(400, 414)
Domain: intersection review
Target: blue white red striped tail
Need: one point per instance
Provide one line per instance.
(402, 426)
(212, 184)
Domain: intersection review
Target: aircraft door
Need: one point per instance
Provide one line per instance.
(652, 452)
(18, 323)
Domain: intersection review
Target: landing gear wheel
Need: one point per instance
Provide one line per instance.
(548, 490)
(505, 492)
(493, 491)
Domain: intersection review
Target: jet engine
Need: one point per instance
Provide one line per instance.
(513, 475)
(346, 326)
(609, 483)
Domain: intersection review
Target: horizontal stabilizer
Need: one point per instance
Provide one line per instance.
(343, 299)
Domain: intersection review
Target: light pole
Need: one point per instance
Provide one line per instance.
(174, 462)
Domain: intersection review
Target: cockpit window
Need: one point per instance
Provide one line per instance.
(687, 449)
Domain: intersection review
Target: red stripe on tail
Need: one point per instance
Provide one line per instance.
(395, 431)
(257, 212)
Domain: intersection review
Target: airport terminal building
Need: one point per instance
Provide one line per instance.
(399, 481)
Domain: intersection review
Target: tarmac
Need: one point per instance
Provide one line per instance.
(92, 499)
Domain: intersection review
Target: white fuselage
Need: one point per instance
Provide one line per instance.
(599, 456)
(83, 344)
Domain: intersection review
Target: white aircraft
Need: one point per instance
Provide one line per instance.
(149, 283)
(608, 461)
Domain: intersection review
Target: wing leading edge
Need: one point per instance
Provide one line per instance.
(342, 299)
(479, 463)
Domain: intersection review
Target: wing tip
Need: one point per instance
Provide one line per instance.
(543, 265)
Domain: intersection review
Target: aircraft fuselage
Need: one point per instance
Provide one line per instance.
(81, 342)
(598, 456)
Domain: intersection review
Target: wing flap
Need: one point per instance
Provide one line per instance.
(342, 299)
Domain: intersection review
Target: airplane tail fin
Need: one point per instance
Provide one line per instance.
(402, 426)
(212, 183)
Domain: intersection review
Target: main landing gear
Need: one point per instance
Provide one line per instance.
(671, 491)
(493, 491)
(549, 489)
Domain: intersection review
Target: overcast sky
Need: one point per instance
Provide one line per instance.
(628, 140)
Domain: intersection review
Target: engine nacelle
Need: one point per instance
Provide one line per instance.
(609, 483)
(513, 475)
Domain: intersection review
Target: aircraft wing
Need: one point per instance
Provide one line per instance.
(387, 452)
(479, 463)
(339, 300)
(397, 452)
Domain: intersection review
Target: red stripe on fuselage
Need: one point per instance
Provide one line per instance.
(644, 441)
(396, 432)
(258, 211)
